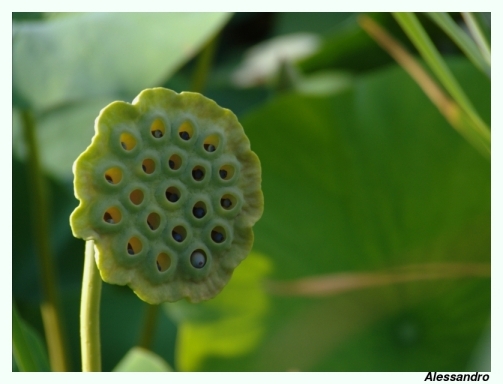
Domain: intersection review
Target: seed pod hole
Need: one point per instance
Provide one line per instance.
(227, 201)
(179, 233)
(136, 197)
(226, 172)
(163, 262)
(199, 210)
(172, 194)
(198, 259)
(157, 129)
(218, 235)
(186, 131)
(134, 246)
(148, 166)
(112, 215)
(153, 221)
(113, 175)
(198, 173)
(128, 142)
(175, 162)
(211, 143)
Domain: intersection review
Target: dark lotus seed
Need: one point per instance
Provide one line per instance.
(172, 164)
(108, 218)
(217, 236)
(173, 197)
(123, 145)
(150, 225)
(109, 179)
(226, 203)
(130, 249)
(209, 147)
(184, 135)
(197, 174)
(198, 212)
(198, 260)
(177, 236)
(223, 173)
(158, 266)
(157, 134)
(144, 168)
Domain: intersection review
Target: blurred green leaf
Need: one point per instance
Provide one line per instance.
(228, 325)
(349, 47)
(29, 350)
(481, 358)
(67, 59)
(316, 22)
(142, 360)
(73, 125)
(323, 83)
(364, 180)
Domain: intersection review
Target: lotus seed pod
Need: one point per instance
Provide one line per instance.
(169, 190)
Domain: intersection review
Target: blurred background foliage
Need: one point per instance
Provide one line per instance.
(374, 248)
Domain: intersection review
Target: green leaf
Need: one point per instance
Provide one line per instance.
(142, 360)
(67, 59)
(230, 324)
(29, 350)
(72, 125)
(362, 181)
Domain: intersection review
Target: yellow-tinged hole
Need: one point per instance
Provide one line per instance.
(172, 194)
(153, 221)
(148, 166)
(113, 175)
(179, 233)
(128, 142)
(186, 130)
(226, 172)
(175, 162)
(157, 129)
(218, 234)
(112, 215)
(211, 143)
(134, 246)
(198, 173)
(228, 202)
(163, 262)
(199, 210)
(136, 197)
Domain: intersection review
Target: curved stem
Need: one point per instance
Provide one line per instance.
(51, 309)
(148, 329)
(90, 313)
(203, 66)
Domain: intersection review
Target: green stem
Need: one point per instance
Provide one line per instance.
(51, 308)
(21, 349)
(203, 66)
(148, 330)
(478, 35)
(462, 40)
(90, 313)
(412, 27)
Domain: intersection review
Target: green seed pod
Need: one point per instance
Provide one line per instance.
(169, 191)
